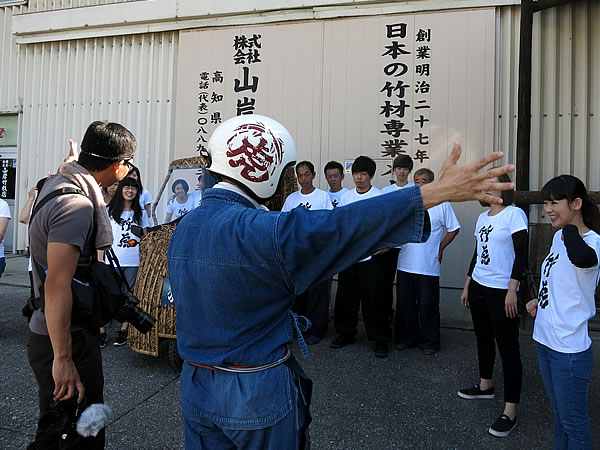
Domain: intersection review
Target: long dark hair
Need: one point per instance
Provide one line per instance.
(139, 177)
(115, 207)
(570, 187)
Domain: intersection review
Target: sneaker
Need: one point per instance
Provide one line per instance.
(121, 338)
(312, 340)
(503, 426)
(342, 340)
(381, 350)
(474, 393)
(430, 351)
(103, 339)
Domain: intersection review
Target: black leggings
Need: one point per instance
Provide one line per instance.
(491, 324)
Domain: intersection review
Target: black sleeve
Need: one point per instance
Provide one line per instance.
(521, 245)
(473, 261)
(580, 254)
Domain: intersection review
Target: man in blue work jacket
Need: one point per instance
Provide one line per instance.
(235, 269)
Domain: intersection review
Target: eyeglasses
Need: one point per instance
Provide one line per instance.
(127, 160)
(130, 188)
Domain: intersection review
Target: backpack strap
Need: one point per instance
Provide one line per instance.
(37, 302)
(51, 195)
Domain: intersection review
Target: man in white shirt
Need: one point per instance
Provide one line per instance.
(402, 167)
(4, 219)
(334, 174)
(417, 321)
(314, 303)
(361, 285)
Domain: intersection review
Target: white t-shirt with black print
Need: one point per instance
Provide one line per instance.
(495, 250)
(4, 212)
(335, 197)
(317, 199)
(566, 298)
(422, 258)
(353, 196)
(128, 255)
(181, 209)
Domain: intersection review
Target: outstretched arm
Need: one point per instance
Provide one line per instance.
(463, 183)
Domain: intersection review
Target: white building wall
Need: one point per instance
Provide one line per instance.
(62, 87)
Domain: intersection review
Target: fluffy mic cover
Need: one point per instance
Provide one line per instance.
(93, 419)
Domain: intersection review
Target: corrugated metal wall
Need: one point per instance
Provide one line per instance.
(128, 79)
(10, 85)
(565, 127)
(49, 5)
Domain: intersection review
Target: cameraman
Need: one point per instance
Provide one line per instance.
(64, 235)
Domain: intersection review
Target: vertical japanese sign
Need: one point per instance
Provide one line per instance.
(405, 92)
(209, 96)
(8, 175)
(247, 53)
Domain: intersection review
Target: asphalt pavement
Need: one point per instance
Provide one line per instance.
(407, 400)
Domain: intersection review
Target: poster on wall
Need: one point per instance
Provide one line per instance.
(381, 86)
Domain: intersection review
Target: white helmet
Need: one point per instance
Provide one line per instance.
(252, 150)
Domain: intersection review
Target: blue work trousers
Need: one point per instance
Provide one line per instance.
(566, 378)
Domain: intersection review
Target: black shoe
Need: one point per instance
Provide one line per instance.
(430, 351)
(121, 338)
(381, 350)
(400, 346)
(103, 339)
(475, 392)
(342, 340)
(503, 426)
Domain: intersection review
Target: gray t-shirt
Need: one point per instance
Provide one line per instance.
(67, 218)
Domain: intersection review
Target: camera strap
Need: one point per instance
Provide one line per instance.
(114, 262)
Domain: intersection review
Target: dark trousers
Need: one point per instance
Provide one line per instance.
(491, 324)
(88, 361)
(314, 304)
(362, 286)
(389, 261)
(417, 319)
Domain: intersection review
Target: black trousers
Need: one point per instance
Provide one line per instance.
(389, 261)
(417, 320)
(88, 361)
(491, 324)
(362, 286)
(314, 304)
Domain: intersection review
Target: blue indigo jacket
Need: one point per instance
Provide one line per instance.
(234, 272)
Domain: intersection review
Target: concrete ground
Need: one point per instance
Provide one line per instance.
(407, 400)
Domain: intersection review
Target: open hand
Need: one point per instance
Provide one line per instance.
(463, 183)
(510, 304)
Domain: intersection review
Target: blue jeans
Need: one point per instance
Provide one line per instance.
(2, 265)
(566, 377)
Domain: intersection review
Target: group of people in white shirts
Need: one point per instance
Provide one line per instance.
(565, 303)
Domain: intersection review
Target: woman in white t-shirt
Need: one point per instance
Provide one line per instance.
(124, 211)
(183, 203)
(565, 303)
(490, 293)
